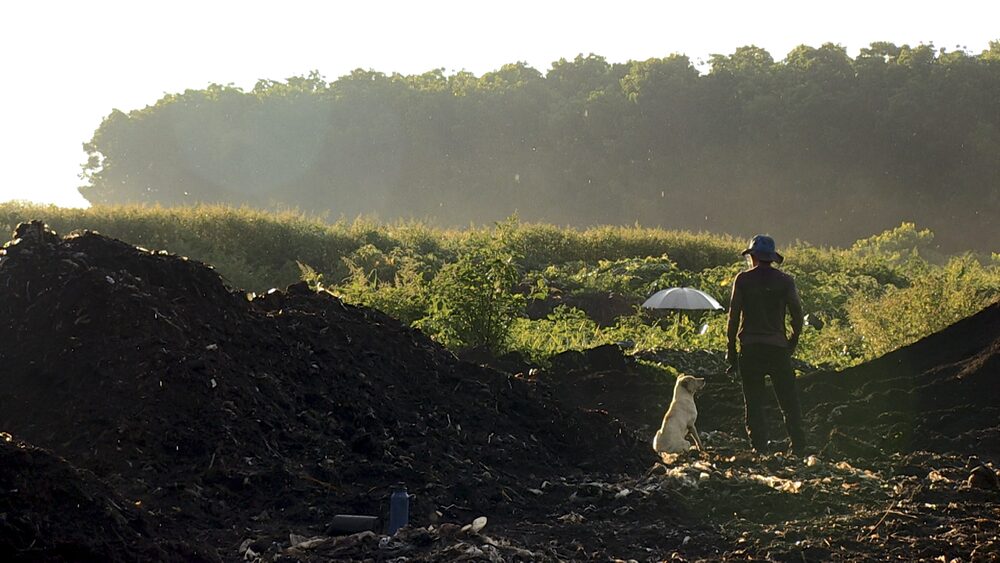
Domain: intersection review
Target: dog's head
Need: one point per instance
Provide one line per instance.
(690, 383)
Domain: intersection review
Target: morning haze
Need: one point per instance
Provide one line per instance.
(823, 144)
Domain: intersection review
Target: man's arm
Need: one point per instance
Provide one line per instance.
(735, 311)
(795, 310)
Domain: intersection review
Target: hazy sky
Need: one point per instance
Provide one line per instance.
(65, 66)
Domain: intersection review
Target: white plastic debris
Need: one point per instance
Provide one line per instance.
(935, 477)
(245, 545)
(310, 543)
(779, 484)
(572, 517)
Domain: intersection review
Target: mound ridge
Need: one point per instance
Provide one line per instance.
(235, 418)
(941, 393)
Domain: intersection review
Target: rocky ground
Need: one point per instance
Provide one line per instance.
(151, 413)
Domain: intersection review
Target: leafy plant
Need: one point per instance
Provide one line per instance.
(933, 301)
(473, 303)
(566, 328)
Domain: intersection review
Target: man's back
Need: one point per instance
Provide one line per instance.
(764, 294)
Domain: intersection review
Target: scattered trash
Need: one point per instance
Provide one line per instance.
(299, 542)
(572, 518)
(345, 524)
(982, 477)
(399, 509)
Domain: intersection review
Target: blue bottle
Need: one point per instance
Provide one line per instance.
(399, 509)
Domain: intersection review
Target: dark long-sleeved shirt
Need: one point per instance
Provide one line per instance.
(761, 296)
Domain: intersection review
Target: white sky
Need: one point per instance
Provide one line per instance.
(66, 65)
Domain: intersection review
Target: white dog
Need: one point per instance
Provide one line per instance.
(678, 423)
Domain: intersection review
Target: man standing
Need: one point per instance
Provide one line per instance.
(761, 297)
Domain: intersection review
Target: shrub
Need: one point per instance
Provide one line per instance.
(933, 301)
(473, 303)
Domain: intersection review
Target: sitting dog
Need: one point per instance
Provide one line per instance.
(678, 423)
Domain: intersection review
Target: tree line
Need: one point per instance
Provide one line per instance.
(818, 146)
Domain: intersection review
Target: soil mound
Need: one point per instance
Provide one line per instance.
(940, 394)
(603, 307)
(51, 511)
(229, 419)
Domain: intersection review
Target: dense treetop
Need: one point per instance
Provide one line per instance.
(818, 146)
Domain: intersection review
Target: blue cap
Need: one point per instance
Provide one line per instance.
(762, 246)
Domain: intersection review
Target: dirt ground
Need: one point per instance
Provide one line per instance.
(151, 413)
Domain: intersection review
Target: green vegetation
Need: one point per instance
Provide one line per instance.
(472, 300)
(821, 144)
(477, 286)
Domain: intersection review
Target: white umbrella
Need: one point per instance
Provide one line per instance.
(687, 298)
(682, 298)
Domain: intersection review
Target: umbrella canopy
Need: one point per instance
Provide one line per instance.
(687, 298)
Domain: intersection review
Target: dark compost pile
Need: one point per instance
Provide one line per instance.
(184, 421)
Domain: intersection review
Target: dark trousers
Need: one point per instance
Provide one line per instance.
(756, 361)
